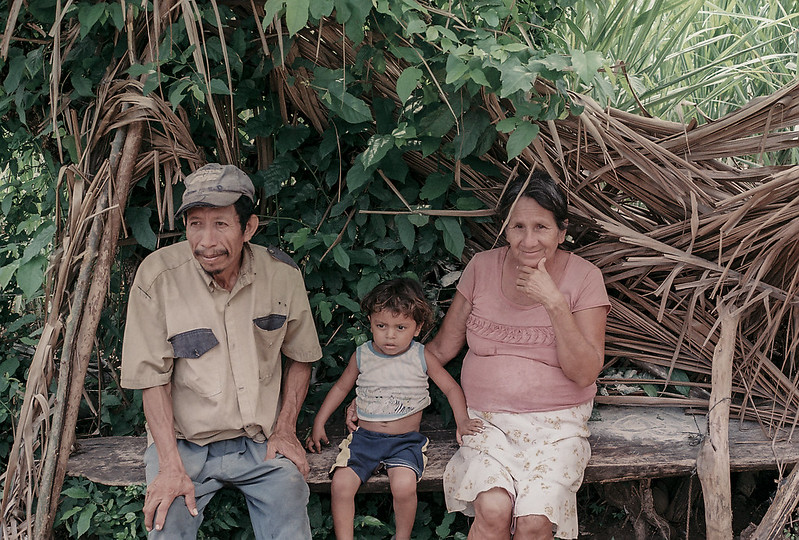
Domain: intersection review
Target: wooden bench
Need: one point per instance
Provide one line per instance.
(627, 443)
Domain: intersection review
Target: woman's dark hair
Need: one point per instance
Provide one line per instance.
(245, 208)
(400, 296)
(541, 188)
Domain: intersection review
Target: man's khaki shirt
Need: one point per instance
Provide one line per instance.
(220, 350)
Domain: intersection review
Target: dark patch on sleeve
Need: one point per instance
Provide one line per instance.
(281, 256)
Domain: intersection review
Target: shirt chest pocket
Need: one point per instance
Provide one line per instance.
(269, 332)
(194, 367)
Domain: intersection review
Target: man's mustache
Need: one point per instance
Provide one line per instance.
(199, 252)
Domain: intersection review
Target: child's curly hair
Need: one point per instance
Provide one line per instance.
(401, 296)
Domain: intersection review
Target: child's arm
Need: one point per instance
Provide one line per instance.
(454, 393)
(333, 399)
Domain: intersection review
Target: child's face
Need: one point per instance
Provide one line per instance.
(392, 333)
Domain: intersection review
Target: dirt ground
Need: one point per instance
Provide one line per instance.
(625, 511)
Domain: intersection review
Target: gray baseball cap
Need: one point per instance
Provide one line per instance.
(216, 185)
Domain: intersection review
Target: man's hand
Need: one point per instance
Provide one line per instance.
(351, 417)
(288, 445)
(164, 489)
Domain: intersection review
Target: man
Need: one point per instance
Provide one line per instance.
(207, 322)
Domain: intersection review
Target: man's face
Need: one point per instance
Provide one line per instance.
(216, 239)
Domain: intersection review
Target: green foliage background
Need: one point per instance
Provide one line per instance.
(319, 192)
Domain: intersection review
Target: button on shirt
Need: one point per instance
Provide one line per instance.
(220, 349)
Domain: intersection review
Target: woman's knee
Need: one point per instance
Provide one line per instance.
(533, 526)
(495, 508)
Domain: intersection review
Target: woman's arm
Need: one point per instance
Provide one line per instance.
(451, 337)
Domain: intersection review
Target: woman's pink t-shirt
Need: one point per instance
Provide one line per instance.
(511, 365)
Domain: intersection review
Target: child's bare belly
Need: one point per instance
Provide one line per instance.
(394, 427)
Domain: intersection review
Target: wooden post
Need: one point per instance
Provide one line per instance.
(713, 461)
(781, 507)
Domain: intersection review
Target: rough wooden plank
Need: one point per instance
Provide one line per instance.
(628, 443)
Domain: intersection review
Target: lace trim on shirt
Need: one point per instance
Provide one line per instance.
(526, 335)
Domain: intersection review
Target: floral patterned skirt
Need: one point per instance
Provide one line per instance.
(538, 458)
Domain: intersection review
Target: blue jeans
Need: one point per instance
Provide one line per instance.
(275, 491)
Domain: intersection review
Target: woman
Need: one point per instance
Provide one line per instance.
(534, 318)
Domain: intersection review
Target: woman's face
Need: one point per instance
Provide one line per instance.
(532, 233)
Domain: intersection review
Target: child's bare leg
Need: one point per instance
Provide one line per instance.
(403, 490)
(342, 501)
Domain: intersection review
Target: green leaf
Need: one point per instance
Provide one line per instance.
(16, 69)
(475, 122)
(219, 86)
(30, 276)
(89, 14)
(368, 282)
(271, 9)
(650, 390)
(42, 238)
(298, 238)
(137, 70)
(680, 375)
(345, 301)
(325, 311)
(85, 518)
(347, 106)
(405, 230)
(453, 235)
(507, 125)
(139, 221)
(514, 77)
(296, 15)
(82, 85)
(407, 82)
(456, 69)
(357, 176)
(435, 186)
(521, 139)
(376, 149)
(420, 220)
(586, 64)
(341, 257)
(152, 82)
(6, 273)
(76, 492)
(321, 8)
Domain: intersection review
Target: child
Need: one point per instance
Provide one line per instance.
(390, 373)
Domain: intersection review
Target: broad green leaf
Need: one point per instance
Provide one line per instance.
(368, 282)
(506, 125)
(43, 237)
(357, 176)
(137, 70)
(680, 375)
(139, 221)
(152, 82)
(321, 8)
(453, 235)
(16, 69)
(341, 257)
(521, 139)
(420, 220)
(437, 123)
(85, 518)
(435, 186)
(405, 231)
(176, 93)
(345, 301)
(115, 11)
(30, 276)
(415, 26)
(5, 206)
(6, 273)
(586, 64)
(650, 390)
(456, 69)
(76, 492)
(479, 77)
(325, 311)
(298, 238)
(219, 86)
(514, 77)
(296, 15)
(407, 82)
(271, 9)
(376, 149)
(347, 106)
(89, 14)
(475, 122)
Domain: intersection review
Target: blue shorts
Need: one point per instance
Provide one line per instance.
(367, 452)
